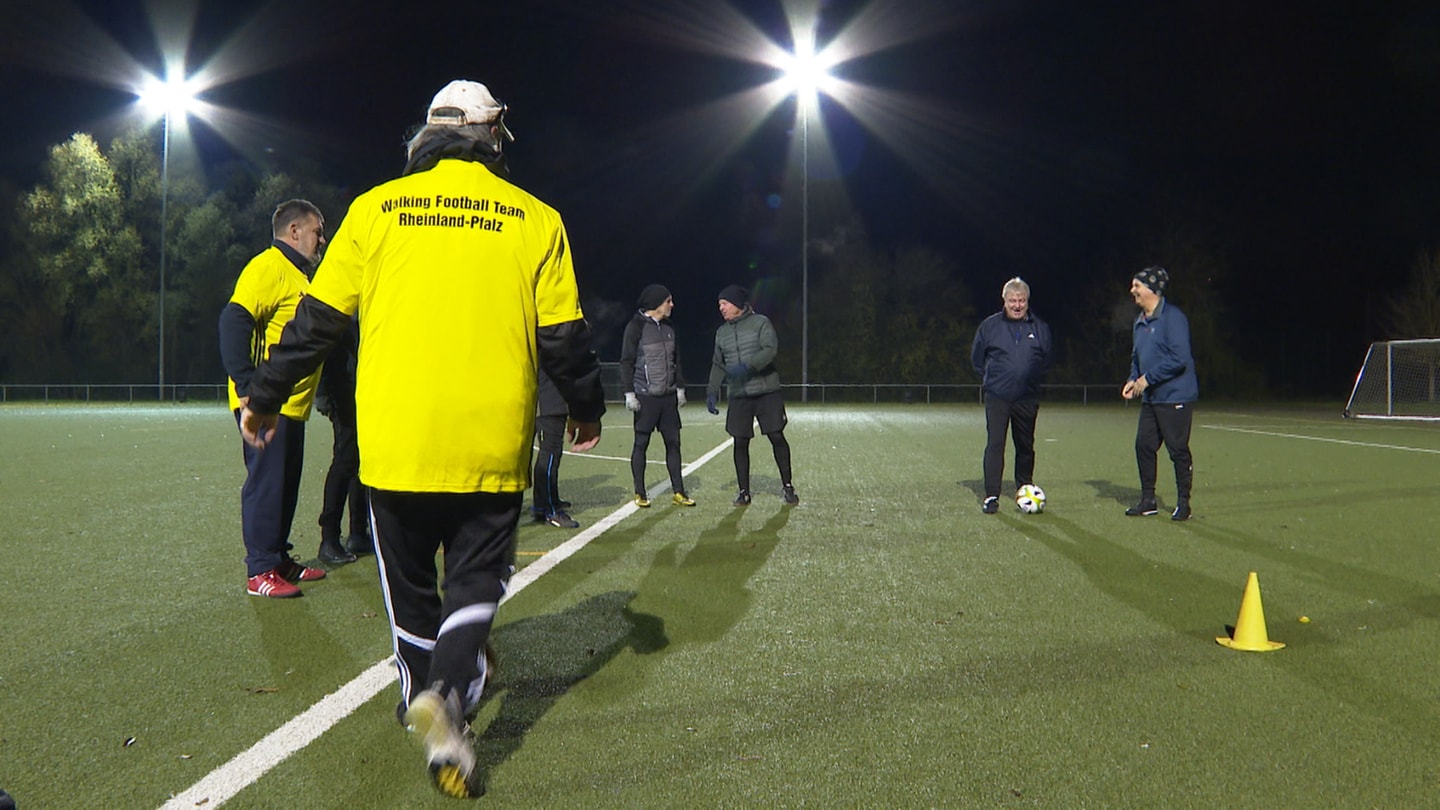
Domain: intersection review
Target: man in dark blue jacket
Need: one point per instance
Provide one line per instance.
(1162, 374)
(1011, 354)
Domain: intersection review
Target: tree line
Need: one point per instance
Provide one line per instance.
(80, 279)
(80, 284)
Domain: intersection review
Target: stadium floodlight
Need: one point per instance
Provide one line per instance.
(805, 75)
(168, 98)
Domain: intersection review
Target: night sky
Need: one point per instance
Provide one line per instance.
(1041, 138)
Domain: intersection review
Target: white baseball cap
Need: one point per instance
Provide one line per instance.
(464, 102)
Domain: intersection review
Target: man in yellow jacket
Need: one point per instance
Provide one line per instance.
(464, 288)
(265, 297)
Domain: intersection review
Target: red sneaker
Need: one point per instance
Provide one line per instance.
(295, 572)
(270, 584)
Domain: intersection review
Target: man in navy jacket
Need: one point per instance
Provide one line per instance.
(1011, 354)
(1162, 374)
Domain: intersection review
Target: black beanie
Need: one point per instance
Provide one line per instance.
(1155, 278)
(652, 297)
(736, 295)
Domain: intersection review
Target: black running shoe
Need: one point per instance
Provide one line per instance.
(743, 499)
(1143, 509)
(562, 520)
(1182, 511)
(991, 505)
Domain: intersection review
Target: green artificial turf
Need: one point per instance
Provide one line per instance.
(883, 644)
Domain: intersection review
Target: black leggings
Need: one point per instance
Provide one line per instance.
(671, 437)
(742, 458)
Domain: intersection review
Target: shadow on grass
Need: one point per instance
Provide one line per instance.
(976, 487)
(621, 538)
(1187, 602)
(589, 492)
(702, 592)
(1109, 490)
(546, 655)
(1169, 594)
(1312, 502)
(704, 584)
(297, 644)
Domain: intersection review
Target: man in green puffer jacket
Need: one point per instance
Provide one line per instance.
(744, 357)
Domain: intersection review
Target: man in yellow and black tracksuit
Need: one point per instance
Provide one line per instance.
(463, 284)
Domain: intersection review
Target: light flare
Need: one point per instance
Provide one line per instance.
(807, 73)
(689, 146)
(62, 39)
(172, 97)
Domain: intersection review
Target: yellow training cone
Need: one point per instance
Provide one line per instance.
(1250, 634)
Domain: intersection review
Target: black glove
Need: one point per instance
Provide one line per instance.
(739, 371)
(710, 405)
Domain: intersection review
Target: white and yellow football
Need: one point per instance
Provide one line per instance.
(1030, 499)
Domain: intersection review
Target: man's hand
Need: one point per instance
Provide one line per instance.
(680, 397)
(738, 371)
(583, 435)
(710, 404)
(1129, 392)
(257, 429)
(632, 402)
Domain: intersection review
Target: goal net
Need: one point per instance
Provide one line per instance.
(1400, 379)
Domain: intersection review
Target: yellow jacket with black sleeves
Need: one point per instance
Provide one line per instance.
(268, 290)
(464, 286)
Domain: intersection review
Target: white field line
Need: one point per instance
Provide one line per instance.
(536, 449)
(625, 459)
(1375, 445)
(221, 784)
(560, 553)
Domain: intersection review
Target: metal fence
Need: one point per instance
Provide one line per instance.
(939, 393)
(875, 393)
(143, 393)
(936, 393)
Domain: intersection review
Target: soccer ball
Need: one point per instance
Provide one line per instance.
(1030, 499)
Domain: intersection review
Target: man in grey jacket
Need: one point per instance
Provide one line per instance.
(654, 389)
(745, 347)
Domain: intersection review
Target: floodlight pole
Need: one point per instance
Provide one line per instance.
(164, 199)
(804, 249)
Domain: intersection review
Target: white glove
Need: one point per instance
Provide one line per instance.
(632, 402)
(680, 396)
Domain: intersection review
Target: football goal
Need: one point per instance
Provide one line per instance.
(1400, 379)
